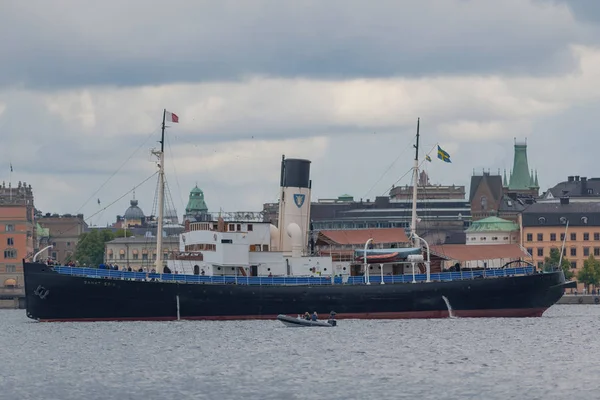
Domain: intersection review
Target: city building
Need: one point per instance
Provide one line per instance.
(495, 196)
(575, 187)
(544, 225)
(443, 213)
(493, 230)
(138, 252)
(18, 236)
(63, 231)
(196, 209)
(427, 191)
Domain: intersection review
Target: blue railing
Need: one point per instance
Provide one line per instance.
(288, 280)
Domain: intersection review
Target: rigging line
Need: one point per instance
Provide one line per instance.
(407, 172)
(175, 173)
(74, 225)
(125, 194)
(118, 169)
(388, 169)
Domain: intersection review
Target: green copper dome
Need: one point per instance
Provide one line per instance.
(196, 202)
(493, 224)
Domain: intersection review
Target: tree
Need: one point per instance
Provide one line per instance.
(551, 263)
(90, 248)
(123, 233)
(590, 273)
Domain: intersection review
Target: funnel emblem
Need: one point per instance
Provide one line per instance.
(299, 199)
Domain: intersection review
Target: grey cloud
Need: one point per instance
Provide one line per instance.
(73, 43)
(584, 10)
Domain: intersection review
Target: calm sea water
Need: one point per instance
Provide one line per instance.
(553, 357)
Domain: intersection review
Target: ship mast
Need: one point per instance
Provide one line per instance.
(161, 197)
(413, 222)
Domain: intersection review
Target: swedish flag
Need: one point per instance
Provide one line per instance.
(428, 158)
(443, 155)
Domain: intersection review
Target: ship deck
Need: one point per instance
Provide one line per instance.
(290, 280)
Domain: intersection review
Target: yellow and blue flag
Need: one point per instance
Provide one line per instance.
(443, 155)
(427, 157)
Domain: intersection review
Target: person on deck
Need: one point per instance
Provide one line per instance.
(307, 316)
(315, 316)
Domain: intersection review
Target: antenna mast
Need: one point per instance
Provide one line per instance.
(161, 198)
(413, 223)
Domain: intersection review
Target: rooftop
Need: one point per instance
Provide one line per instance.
(360, 236)
(465, 252)
(493, 224)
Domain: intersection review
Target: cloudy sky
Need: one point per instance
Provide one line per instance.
(83, 84)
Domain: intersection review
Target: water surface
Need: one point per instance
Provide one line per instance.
(553, 357)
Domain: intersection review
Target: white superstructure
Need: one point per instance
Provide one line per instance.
(250, 248)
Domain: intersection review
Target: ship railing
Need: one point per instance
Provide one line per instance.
(288, 280)
(180, 278)
(443, 276)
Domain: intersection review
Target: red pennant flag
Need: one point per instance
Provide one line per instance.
(171, 117)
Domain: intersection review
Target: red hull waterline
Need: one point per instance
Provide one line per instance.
(499, 313)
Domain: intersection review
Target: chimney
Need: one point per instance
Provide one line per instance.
(584, 186)
(564, 201)
(576, 178)
(570, 178)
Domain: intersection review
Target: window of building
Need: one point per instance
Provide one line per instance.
(10, 241)
(530, 237)
(586, 251)
(586, 236)
(250, 227)
(494, 238)
(9, 228)
(137, 256)
(265, 247)
(542, 220)
(483, 203)
(122, 257)
(231, 227)
(597, 236)
(11, 268)
(239, 227)
(10, 253)
(145, 257)
(573, 236)
(596, 251)
(553, 237)
(540, 237)
(530, 250)
(573, 251)
(562, 237)
(540, 264)
(54, 255)
(540, 251)
(68, 244)
(573, 264)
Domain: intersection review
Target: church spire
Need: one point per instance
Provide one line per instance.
(520, 178)
(504, 181)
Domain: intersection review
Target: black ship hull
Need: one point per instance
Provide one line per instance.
(51, 296)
